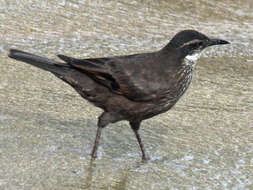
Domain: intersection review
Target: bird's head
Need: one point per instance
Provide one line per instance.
(190, 44)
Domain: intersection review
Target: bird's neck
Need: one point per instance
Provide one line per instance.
(180, 79)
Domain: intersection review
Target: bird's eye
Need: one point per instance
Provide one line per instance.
(197, 45)
(200, 43)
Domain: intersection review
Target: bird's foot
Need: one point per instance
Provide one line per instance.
(145, 159)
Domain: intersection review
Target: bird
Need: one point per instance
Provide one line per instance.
(131, 87)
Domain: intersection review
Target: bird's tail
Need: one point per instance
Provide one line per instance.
(37, 61)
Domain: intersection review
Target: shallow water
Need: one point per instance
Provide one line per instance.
(47, 130)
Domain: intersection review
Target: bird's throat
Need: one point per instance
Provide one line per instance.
(192, 59)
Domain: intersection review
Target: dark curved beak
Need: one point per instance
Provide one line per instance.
(216, 41)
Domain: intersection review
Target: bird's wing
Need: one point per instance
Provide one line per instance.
(123, 75)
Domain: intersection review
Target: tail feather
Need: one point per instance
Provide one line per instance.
(37, 61)
(66, 58)
(93, 64)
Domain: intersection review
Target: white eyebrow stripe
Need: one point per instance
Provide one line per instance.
(190, 42)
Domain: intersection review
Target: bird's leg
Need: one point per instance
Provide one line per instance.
(95, 146)
(135, 126)
(103, 121)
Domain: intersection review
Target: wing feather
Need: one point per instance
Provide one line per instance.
(122, 75)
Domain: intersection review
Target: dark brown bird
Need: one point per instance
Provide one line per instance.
(133, 87)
